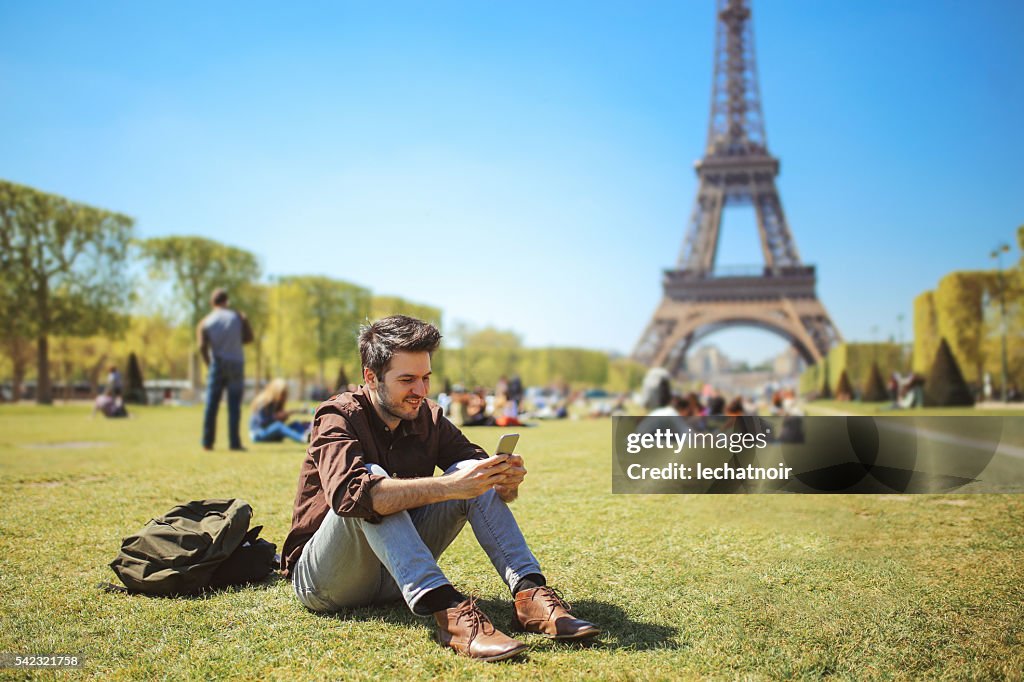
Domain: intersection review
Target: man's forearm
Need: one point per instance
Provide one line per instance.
(393, 495)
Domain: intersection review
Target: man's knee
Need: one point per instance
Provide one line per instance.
(376, 469)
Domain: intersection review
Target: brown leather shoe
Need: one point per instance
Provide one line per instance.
(470, 632)
(543, 611)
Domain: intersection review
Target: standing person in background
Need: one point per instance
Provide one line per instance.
(220, 335)
(515, 391)
(114, 382)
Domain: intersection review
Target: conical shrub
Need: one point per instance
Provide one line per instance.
(135, 389)
(843, 389)
(874, 389)
(945, 385)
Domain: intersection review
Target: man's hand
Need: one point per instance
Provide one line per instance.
(476, 479)
(501, 473)
(508, 489)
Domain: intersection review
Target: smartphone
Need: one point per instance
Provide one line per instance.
(507, 444)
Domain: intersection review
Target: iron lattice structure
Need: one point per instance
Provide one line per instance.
(736, 169)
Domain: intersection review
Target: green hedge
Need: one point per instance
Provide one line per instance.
(856, 360)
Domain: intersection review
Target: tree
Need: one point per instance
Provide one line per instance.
(62, 264)
(385, 306)
(959, 311)
(625, 374)
(926, 331)
(83, 359)
(314, 319)
(485, 354)
(18, 352)
(253, 298)
(196, 266)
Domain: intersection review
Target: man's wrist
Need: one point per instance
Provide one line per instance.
(446, 491)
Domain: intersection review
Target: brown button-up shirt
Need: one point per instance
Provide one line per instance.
(347, 435)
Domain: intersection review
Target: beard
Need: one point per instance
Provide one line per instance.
(397, 409)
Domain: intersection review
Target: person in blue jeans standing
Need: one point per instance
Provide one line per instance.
(221, 335)
(268, 423)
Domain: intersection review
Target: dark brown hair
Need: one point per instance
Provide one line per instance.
(379, 341)
(219, 297)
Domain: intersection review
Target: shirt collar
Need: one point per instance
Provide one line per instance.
(404, 428)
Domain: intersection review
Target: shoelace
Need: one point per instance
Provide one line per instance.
(552, 599)
(477, 619)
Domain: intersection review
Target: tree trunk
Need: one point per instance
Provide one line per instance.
(20, 355)
(259, 363)
(94, 374)
(44, 393)
(64, 369)
(17, 380)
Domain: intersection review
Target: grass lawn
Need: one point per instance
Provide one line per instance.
(757, 586)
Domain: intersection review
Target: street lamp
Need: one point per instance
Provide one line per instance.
(997, 254)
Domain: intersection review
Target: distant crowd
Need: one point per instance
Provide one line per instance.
(658, 398)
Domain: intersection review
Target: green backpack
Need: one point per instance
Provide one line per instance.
(196, 546)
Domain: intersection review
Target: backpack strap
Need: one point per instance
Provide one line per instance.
(111, 588)
(251, 535)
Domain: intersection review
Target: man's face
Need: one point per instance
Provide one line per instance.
(406, 382)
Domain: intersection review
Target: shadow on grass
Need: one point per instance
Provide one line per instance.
(272, 579)
(618, 630)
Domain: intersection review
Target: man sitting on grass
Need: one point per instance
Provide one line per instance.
(370, 520)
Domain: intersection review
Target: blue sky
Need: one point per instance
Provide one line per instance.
(528, 165)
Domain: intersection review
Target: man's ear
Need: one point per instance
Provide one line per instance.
(369, 378)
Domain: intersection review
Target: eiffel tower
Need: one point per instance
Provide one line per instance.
(737, 169)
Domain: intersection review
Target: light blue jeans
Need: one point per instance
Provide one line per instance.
(351, 562)
(277, 431)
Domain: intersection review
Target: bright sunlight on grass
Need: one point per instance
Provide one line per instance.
(684, 586)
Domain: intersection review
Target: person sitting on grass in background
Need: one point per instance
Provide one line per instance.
(370, 519)
(506, 412)
(109, 404)
(475, 413)
(268, 423)
(735, 408)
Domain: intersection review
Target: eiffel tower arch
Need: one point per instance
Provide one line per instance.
(736, 170)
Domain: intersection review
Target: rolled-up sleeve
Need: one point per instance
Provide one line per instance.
(339, 460)
(453, 446)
